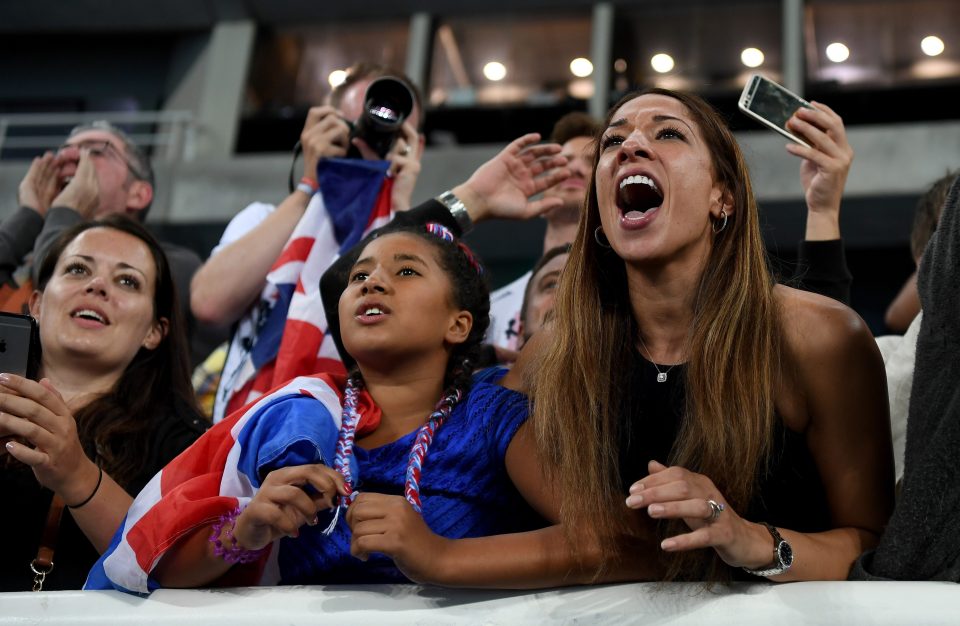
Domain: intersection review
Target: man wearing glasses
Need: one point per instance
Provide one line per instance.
(98, 171)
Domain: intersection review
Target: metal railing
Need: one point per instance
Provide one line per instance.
(166, 135)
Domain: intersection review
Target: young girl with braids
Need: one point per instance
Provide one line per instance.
(426, 453)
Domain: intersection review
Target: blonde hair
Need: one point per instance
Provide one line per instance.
(733, 362)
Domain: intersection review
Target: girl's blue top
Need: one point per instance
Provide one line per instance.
(464, 488)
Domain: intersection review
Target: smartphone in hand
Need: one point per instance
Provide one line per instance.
(772, 105)
(19, 345)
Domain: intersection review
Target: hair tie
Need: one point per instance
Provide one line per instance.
(441, 231)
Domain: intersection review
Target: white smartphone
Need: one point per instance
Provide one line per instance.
(772, 105)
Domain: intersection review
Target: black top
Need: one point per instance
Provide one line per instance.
(789, 495)
(24, 517)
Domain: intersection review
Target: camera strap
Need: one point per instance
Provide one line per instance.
(297, 149)
(43, 563)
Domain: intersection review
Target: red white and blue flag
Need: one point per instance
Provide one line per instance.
(296, 424)
(285, 334)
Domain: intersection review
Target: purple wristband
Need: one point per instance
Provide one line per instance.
(225, 544)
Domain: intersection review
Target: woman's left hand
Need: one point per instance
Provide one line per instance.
(677, 493)
(36, 413)
(390, 526)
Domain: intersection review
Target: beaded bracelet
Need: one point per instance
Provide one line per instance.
(231, 552)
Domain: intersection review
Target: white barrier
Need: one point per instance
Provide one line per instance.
(769, 605)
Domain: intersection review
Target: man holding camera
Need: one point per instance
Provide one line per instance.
(251, 274)
(233, 277)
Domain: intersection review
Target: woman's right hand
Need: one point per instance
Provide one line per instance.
(283, 504)
(36, 413)
(502, 186)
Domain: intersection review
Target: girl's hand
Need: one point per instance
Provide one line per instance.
(283, 504)
(37, 414)
(390, 526)
(502, 186)
(677, 493)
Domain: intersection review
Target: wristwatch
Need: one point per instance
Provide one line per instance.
(457, 209)
(782, 556)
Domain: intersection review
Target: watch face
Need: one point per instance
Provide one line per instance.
(785, 554)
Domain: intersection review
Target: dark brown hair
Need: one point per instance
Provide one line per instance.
(118, 426)
(573, 125)
(733, 360)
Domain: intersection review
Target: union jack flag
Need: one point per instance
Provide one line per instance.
(296, 424)
(285, 334)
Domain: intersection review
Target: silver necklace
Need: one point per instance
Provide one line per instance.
(661, 376)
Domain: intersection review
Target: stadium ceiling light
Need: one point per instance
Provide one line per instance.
(837, 52)
(932, 45)
(662, 63)
(581, 67)
(752, 57)
(494, 70)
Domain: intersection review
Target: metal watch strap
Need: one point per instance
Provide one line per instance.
(457, 209)
(777, 566)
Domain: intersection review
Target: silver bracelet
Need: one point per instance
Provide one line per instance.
(457, 209)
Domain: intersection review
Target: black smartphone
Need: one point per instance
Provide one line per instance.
(772, 105)
(19, 345)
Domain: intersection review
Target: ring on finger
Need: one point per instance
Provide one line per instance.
(716, 508)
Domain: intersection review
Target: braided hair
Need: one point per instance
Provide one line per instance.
(470, 293)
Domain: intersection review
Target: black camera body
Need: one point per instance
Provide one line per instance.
(387, 104)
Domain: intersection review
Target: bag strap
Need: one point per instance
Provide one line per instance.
(43, 563)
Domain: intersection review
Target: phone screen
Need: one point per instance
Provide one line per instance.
(774, 103)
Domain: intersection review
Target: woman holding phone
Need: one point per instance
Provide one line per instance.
(114, 402)
(721, 422)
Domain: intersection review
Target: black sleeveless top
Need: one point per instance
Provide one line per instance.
(789, 495)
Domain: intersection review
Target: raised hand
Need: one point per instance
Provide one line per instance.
(39, 187)
(677, 493)
(283, 505)
(82, 193)
(502, 187)
(826, 163)
(48, 441)
(324, 135)
(404, 160)
(389, 525)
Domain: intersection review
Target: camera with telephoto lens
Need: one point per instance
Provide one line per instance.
(386, 105)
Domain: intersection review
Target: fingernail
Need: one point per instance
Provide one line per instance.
(315, 521)
(634, 501)
(9, 445)
(4, 378)
(636, 488)
(668, 544)
(655, 509)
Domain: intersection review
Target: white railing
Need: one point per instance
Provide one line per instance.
(167, 135)
(848, 603)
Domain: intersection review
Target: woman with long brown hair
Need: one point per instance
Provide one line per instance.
(114, 403)
(744, 422)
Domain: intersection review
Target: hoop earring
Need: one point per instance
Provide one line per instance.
(597, 234)
(723, 224)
